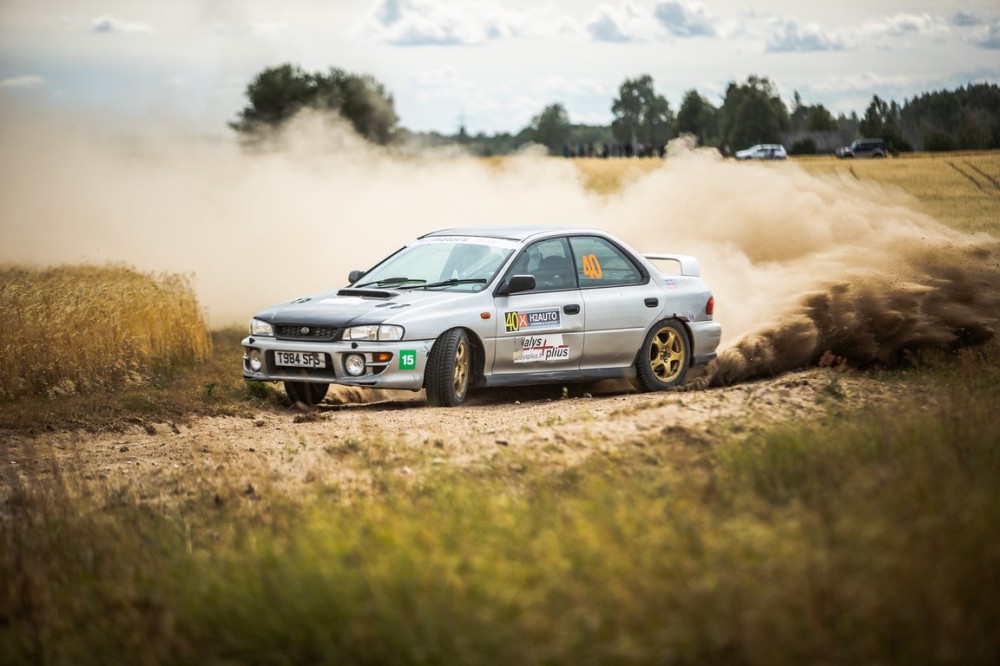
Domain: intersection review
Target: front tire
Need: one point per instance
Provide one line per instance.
(664, 358)
(449, 368)
(308, 394)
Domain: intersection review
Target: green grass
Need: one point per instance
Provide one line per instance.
(866, 537)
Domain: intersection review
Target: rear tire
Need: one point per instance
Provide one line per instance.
(308, 394)
(449, 369)
(664, 358)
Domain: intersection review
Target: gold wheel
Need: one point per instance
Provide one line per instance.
(460, 379)
(667, 354)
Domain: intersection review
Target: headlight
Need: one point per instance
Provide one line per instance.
(261, 327)
(374, 332)
(387, 332)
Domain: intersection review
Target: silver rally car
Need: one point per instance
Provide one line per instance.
(497, 306)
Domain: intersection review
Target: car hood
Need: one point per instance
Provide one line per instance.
(359, 306)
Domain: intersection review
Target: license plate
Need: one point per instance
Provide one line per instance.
(300, 359)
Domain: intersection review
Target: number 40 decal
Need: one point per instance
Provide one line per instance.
(592, 267)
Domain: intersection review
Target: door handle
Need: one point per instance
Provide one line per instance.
(652, 302)
(571, 309)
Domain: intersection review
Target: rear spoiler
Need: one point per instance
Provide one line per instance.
(687, 263)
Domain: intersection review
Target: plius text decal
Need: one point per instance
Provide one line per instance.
(519, 321)
(540, 348)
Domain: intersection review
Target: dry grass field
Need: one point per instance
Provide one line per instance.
(76, 329)
(832, 514)
(960, 189)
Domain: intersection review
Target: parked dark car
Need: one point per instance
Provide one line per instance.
(864, 148)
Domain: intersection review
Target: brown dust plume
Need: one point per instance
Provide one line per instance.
(800, 265)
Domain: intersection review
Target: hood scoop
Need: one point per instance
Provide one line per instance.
(367, 293)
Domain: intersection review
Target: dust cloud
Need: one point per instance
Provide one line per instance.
(799, 265)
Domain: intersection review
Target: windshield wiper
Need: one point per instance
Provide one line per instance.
(448, 283)
(387, 281)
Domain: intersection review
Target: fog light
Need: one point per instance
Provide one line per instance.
(354, 364)
(256, 362)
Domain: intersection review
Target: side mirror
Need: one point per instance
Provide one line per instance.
(354, 276)
(518, 283)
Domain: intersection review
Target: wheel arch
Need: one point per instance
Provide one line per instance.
(685, 324)
(478, 356)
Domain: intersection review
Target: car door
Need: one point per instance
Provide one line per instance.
(619, 299)
(541, 331)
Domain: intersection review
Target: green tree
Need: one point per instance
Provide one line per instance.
(881, 121)
(551, 128)
(820, 119)
(752, 113)
(806, 118)
(278, 93)
(640, 115)
(697, 116)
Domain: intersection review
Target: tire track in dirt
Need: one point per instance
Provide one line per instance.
(966, 175)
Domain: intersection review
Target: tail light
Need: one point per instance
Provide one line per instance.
(710, 306)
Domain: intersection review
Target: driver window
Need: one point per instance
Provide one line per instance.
(551, 264)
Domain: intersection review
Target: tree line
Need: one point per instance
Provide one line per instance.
(643, 121)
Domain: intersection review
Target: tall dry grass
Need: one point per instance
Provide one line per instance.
(70, 329)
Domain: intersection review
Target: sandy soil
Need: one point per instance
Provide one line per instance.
(345, 449)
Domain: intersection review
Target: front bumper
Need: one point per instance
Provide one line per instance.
(388, 365)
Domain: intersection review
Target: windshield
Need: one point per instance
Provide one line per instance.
(460, 263)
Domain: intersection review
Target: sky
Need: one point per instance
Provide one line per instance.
(488, 65)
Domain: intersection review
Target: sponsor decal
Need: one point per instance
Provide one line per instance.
(540, 348)
(518, 321)
(408, 359)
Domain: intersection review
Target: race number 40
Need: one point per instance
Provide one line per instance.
(592, 267)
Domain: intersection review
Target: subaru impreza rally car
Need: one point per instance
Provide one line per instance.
(498, 306)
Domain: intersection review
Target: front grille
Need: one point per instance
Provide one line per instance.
(305, 332)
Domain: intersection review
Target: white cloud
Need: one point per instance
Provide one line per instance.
(789, 35)
(903, 25)
(110, 24)
(27, 81)
(445, 23)
(987, 37)
(683, 19)
(965, 19)
(623, 24)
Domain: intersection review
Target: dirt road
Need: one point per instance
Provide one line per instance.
(346, 449)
